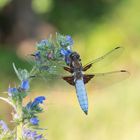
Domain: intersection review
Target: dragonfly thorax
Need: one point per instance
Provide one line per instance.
(76, 65)
(75, 61)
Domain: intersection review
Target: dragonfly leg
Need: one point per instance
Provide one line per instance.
(68, 69)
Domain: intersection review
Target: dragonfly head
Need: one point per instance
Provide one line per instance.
(75, 56)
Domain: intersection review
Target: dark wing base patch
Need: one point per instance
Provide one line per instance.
(87, 78)
(69, 79)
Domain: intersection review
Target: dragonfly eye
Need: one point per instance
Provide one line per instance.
(75, 56)
(78, 57)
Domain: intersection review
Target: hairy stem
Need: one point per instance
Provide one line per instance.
(20, 124)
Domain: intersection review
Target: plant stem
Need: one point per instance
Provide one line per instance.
(19, 131)
(20, 124)
(20, 113)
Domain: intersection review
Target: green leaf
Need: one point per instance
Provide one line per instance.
(16, 71)
(22, 74)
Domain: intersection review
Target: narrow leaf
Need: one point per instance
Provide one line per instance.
(17, 72)
(10, 103)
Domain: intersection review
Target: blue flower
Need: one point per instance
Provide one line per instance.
(39, 137)
(67, 60)
(29, 134)
(65, 41)
(25, 85)
(3, 126)
(12, 91)
(65, 52)
(69, 40)
(37, 55)
(38, 100)
(34, 121)
(35, 103)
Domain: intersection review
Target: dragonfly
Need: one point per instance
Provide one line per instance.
(78, 78)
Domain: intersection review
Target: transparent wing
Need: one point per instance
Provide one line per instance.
(101, 80)
(106, 58)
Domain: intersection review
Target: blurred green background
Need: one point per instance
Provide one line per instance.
(96, 27)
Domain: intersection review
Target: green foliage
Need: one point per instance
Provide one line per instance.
(77, 16)
(26, 117)
(48, 56)
(22, 74)
(42, 6)
(3, 3)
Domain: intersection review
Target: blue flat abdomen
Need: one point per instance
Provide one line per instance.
(81, 94)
